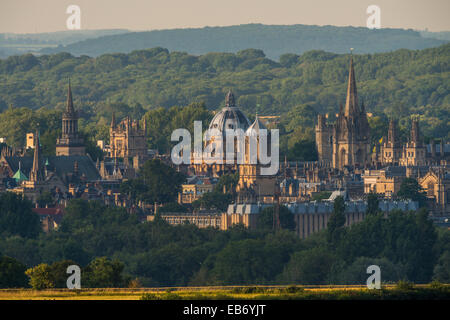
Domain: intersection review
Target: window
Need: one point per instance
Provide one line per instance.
(430, 189)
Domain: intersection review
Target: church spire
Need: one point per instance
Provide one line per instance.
(69, 107)
(113, 120)
(70, 142)
(351, 104)
(36, 172)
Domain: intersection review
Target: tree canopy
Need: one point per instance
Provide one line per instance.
(16, 216)
(406, 246)
(411, 189)
(171, 89)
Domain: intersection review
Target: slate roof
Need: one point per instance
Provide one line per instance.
(62, 164)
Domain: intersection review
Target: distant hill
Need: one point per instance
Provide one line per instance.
(441, 35)
(274, 40)
(13, 44)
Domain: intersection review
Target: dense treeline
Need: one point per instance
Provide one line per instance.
(159, 85)
(155, 77)
(405, 245)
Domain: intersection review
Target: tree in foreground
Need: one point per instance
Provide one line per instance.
(12, 273)
(103, 273)
(16, 216)
(245, 262)
(356, 272)
(335, 226)
(58, 273)
(310, 266)
(411, 189)
(40, 277)
(265, 218)
(372, 203)
(442, 268)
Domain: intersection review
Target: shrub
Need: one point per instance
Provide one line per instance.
(40, 277)
(150, 296)
(135, 283)
(293, 289)
(405, 285)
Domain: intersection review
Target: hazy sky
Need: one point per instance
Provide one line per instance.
(30, 16)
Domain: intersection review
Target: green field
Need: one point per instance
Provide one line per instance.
(387, 292)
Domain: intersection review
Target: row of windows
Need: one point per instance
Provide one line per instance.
(204, 221)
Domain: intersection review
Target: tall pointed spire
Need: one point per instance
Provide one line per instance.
(36, 172)
(70, 142)
(69, 107)
(113, 120)
(351, 104)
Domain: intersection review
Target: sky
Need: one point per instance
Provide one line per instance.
(36, 16)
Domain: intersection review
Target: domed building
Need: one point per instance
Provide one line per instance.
(229, 118)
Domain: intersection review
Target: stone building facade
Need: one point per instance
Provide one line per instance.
(309, 217)
(253, 186)
(392, 152)
(436, 184)
(414, 151)
(127, 139)
(347, 142)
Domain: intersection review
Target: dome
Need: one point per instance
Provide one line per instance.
(230, 117)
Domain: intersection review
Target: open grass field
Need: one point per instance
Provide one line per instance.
(387, 292)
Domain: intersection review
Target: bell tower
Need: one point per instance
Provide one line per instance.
(70, 143)
(351, 143)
